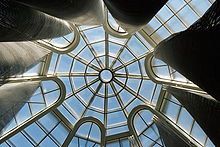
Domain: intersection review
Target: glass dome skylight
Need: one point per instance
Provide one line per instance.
(105, 80)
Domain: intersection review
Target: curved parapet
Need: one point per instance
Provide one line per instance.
(81, 12)
(21, 23)
(154, 77)
(30, 111)
(133, 15)
(193, 102)
(13, 96)
(66, 46)
(19, 57)
(193, 52)
(158, 118)
(113, 28)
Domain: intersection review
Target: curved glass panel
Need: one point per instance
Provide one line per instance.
(146, 129)
(63, 44)
(163, 71)
(114, 25)
(47, 131)
(88, 134)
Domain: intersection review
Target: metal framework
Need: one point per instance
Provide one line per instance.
(79, 123)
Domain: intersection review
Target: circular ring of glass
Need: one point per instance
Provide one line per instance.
(106, 75)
